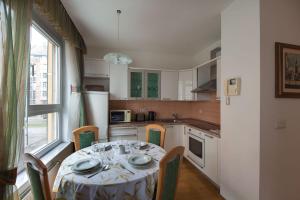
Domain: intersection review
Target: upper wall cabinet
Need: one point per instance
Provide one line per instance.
(118, 82)
(144, 84)
(94, 67)
(152, 84)
(136, 84)
(169, 85)
(185, 85)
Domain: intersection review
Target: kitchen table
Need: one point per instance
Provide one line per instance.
(121, 181)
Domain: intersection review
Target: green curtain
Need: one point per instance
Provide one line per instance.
(58, 17)
(15, 37)
(82, 112)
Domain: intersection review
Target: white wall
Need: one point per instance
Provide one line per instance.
(204, 55)
(280, 162)
(240, 121)
(150, 59)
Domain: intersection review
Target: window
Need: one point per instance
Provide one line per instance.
(42, 126)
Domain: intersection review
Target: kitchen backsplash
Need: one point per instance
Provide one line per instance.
(202, 110)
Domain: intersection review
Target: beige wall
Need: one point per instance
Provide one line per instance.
(280, 162)
(240, 121)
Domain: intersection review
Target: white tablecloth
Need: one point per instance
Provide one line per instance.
(116, 183)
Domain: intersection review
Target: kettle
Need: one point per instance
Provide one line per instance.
(151, 116)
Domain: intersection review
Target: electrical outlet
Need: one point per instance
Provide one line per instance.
(280, 124)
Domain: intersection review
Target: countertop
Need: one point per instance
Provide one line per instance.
(208, 127)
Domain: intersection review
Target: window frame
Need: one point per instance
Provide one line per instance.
(33, 110)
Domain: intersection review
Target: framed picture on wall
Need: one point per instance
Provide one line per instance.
(287, 63)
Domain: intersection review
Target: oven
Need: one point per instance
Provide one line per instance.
(195, 147)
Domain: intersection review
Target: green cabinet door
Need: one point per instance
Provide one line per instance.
(153, 85)
(136, 84)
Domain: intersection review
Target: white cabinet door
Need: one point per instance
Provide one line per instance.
(169, 85)
(141, 134)
(118, 82)
(171, 138)
(122, 133)
(219, 84)
(94, 67)
(185, 85)
(211, 158)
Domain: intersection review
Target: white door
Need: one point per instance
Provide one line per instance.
(211, 158)
(218, 95)
(94, 67)
(185, 85)
(169, 85)
(118, 82)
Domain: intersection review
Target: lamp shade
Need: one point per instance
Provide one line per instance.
(117, 58)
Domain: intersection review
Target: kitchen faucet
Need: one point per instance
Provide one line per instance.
(175, 115)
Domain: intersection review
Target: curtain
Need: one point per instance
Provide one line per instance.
(74, 99)
(82, 113)
(57, 15)
(14, 49)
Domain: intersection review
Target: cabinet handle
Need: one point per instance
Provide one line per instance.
(209, 136)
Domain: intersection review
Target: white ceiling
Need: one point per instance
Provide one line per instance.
(172, 26)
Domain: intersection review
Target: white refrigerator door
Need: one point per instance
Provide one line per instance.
(96, 104)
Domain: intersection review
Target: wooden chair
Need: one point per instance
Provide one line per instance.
(155, 134)
(38, 176)
(84, 136)
(169, 168)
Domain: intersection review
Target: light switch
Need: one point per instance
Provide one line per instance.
(280, 124)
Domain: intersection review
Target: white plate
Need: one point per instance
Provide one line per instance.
(85, 165)
(140, 160)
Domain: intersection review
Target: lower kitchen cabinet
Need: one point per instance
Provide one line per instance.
(211, 158)
(141, 134)
(123, 133)
(170, 138)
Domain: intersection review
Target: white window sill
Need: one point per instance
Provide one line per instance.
(22, 182)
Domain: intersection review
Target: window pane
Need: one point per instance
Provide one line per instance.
(43, 83)
(41, 130)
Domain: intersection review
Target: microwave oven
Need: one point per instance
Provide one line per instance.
(117, 116)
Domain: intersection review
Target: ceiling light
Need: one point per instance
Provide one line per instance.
(117, 57)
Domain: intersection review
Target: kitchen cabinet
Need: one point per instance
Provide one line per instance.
(171, 137)
(94, 67)
(144, 84)
(211, 158)
(141, 134)
(185, 85)
(136, 84)
(152, 84)
(123, 133)
(118, 82)
(169, 85)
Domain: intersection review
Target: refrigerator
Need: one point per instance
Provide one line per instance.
(96, 104)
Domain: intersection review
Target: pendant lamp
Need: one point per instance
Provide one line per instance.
(117, 57)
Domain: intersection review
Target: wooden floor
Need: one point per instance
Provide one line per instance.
(194, 185)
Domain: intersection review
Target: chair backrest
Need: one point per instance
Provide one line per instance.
(155, 134)
(169, 168)
(38, 176)
(84, 136)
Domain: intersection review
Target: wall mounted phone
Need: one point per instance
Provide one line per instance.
(232, 87)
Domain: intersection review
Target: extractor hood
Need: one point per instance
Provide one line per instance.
(210, 86)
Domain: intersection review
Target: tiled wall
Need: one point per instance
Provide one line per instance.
(202, 110)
